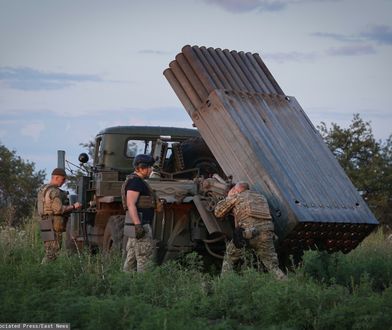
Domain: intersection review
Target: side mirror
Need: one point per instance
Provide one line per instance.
(83, 158)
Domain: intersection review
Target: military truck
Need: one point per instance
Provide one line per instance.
(251, 131)
(188, 182)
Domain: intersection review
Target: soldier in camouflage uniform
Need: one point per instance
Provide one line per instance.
(139, 204)
(53, 208)
(254, 223)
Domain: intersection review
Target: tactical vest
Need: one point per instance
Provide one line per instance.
(41, 198)
(49, 219)
(143, 202)
(252, 205)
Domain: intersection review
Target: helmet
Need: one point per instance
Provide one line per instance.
(60, 172)
(143, 161)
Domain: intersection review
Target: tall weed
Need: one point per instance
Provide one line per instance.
(373, 257)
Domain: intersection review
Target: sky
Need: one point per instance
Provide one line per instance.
(69, 69)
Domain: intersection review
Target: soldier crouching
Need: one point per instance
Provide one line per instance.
(253, 228)
(53, 208)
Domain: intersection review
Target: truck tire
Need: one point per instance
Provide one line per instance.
(113, 236)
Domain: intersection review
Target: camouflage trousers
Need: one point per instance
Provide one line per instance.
(52, 248)
(140, 254)
(263, 246)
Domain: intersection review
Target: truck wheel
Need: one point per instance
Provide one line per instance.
(114, 233)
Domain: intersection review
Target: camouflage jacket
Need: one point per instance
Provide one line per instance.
(51, 200)
(249, 208)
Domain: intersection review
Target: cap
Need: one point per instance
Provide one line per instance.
(59, 171)
(143, 160)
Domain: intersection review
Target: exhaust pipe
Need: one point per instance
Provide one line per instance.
(61, 159)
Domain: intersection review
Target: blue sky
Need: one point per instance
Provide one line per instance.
(71, 68)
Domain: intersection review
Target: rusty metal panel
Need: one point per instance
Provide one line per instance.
(259, 135)
(197, 71)
(268, 141)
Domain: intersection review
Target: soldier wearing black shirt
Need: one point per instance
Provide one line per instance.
(139, 204)
(137, 184)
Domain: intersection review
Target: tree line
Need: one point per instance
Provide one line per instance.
(367, 162)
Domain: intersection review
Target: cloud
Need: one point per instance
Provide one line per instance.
(351, 50)
(29, 79)
(381, 34)
(6, 127)
(153, 51)
(33, 130)
(337, 36)
(240, 6)
(290, 57)
(3, 132)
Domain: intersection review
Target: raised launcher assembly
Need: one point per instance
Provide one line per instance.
(259, 135)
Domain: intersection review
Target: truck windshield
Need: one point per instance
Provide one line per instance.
(135, 147)
(98, 151)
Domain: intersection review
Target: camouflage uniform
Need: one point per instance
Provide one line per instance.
(140, 252)
(52, 202)
(250, 210)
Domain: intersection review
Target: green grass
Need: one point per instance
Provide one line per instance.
(336, 291)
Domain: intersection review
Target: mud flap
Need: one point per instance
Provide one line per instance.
(207, 217)
(47, 232)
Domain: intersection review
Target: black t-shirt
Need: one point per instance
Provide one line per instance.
(138, 184)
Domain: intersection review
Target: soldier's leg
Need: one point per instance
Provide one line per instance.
(265, 250)
(52, 248)
(130, 259)
(232, 255)
(144, 253)
(50, 253)
(59, 240)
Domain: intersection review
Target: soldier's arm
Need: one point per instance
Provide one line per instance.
(132, 197)
(224, 206)
(57, 204)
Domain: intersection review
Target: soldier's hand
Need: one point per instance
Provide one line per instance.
(139, 231)
(232, 191)
(77, 206)
(238, 238)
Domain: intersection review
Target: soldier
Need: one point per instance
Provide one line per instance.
(253, 227)
(53, 208)
(138, 201)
